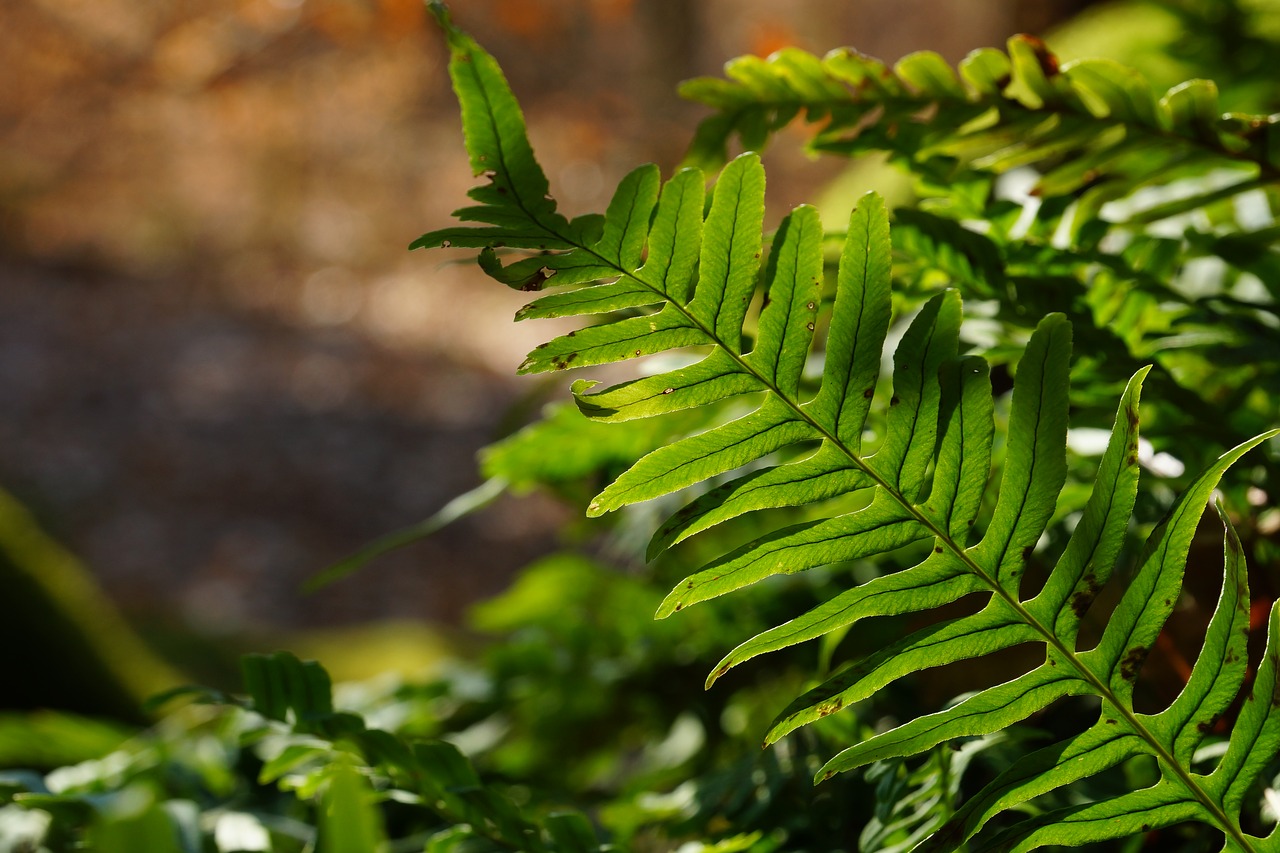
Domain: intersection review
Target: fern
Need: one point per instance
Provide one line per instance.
(1091, 125)
(693, 267)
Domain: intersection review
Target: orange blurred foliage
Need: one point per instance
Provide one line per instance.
(526, 19)
(612, 11)
(772, 35)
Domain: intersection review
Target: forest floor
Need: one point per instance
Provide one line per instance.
(205, 462)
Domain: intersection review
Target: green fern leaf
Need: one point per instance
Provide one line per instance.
(925, 479)
(1179, 729)
(1094, 127)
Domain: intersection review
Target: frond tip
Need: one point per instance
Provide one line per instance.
(662, 271)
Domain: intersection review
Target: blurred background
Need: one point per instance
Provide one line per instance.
(221, 370)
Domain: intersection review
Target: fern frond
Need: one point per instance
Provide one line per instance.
(925, 479)
(1092, 127)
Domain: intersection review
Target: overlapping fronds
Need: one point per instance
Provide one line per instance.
(1155, 213)
(694, 268)
(1093, 128)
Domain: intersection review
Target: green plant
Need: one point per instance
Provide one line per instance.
(283, 770)
(668, 268)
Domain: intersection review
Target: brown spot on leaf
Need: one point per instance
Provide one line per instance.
(1132, 662)
(1044, 56)
(1111, 722)
(1132, 415)
(869, 393)
(937, 549)
(539, 278)
(893, 401)
(1080, 603)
